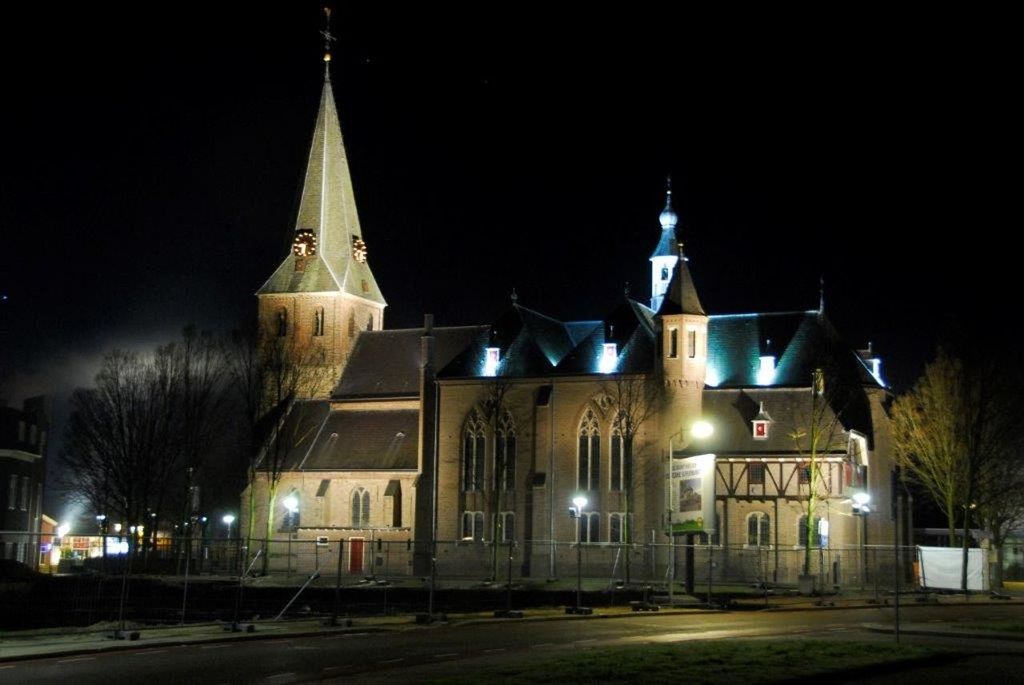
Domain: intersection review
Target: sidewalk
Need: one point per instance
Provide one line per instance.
(98, 638)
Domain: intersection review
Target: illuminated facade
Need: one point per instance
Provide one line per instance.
(497, 427)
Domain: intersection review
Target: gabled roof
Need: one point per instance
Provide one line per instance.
(387, 363)
(731, 413)
(531, 344)
(799, 341)
(630, 326)
(328, 208)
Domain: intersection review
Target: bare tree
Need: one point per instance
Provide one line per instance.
(817, 436)
(494, 408)
(928, 443)
(956, 434)
(271, 373)
(635, 400)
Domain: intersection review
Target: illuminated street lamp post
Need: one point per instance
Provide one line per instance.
(228, 520)
(700, 430)
(861, 500)
(291, 503)
(576, 512)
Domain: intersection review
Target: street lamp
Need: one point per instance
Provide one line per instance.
(228, 520)
(291, 503)
(576, 512)
(861, 508)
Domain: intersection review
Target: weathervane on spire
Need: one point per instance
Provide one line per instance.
(328, 39)
(821, 295)
(515, 295)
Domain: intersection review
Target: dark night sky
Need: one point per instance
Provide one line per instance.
(151, 165)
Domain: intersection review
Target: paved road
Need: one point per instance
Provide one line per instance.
(440, 649)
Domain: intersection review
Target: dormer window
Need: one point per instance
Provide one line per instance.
(766, 370)
(491, 361)
(609, 358)
(761, 424)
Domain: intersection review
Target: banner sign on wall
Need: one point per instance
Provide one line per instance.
(692, 488)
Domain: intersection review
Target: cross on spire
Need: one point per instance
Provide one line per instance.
(328, 39)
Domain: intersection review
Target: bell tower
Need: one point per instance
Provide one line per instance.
(323, 293)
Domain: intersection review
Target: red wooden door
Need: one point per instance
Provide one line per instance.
(355, 559)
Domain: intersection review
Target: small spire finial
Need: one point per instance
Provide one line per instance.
(328, 39)
(668, 217)
(821, 295)
(515, 296)
(626, 290)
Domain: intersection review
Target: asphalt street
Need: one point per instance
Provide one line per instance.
(438, 650)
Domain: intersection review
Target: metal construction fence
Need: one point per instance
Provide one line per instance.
(89, 580)
(355, 559)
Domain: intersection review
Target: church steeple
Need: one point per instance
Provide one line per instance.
(323, 292)
(664, 257)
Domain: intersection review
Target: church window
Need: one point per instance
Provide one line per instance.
(589, 527)
(473, 525)
(360, 508)
(505, 457)
(801, 531)
(622, 467)
(759, 529)
(282, 322)
(691, 343)
(474, 447)
(589, 456)
(318, 321)
(24, 493)
(664, 273)
(507, 526)
(620, 527)
(12, 492)
(673, 343)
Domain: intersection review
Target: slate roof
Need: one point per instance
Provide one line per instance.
(362, 441)
(631, 328)
(532, 344)
(327, 207)
(681, 296)
(731, 413)
(800, 342)
(387, 363)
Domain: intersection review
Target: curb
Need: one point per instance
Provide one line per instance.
(969, 634)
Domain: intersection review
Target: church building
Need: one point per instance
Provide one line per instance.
(675, 424)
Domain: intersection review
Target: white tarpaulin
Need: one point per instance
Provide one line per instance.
(941, 568)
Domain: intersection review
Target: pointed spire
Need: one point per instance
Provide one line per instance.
(515, 295)
(668, 220)
(681, 296)
(327, 208)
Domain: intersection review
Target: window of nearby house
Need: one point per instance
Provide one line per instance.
(622, 467)
(318, 321)
(282, 322)
(505, 454)
(804, 474)
(473, 525)
(755, 474)
(691, 343)
(589, 453)
(801, 531)
(620, 527)
(21, 431)
(360, 508)
(590, 527)
(474, 446)
(759, 529)
(12, 493)
(673, 342)
(506, 526)
(24, 493)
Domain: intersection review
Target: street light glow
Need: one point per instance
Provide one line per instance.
(580, 501)
(861, 498)
(230, 518)
(291, 503)
(702, 429)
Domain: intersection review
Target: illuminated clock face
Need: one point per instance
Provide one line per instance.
(358, 249)
(304, 244)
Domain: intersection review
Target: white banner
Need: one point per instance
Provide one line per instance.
(941, 568)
